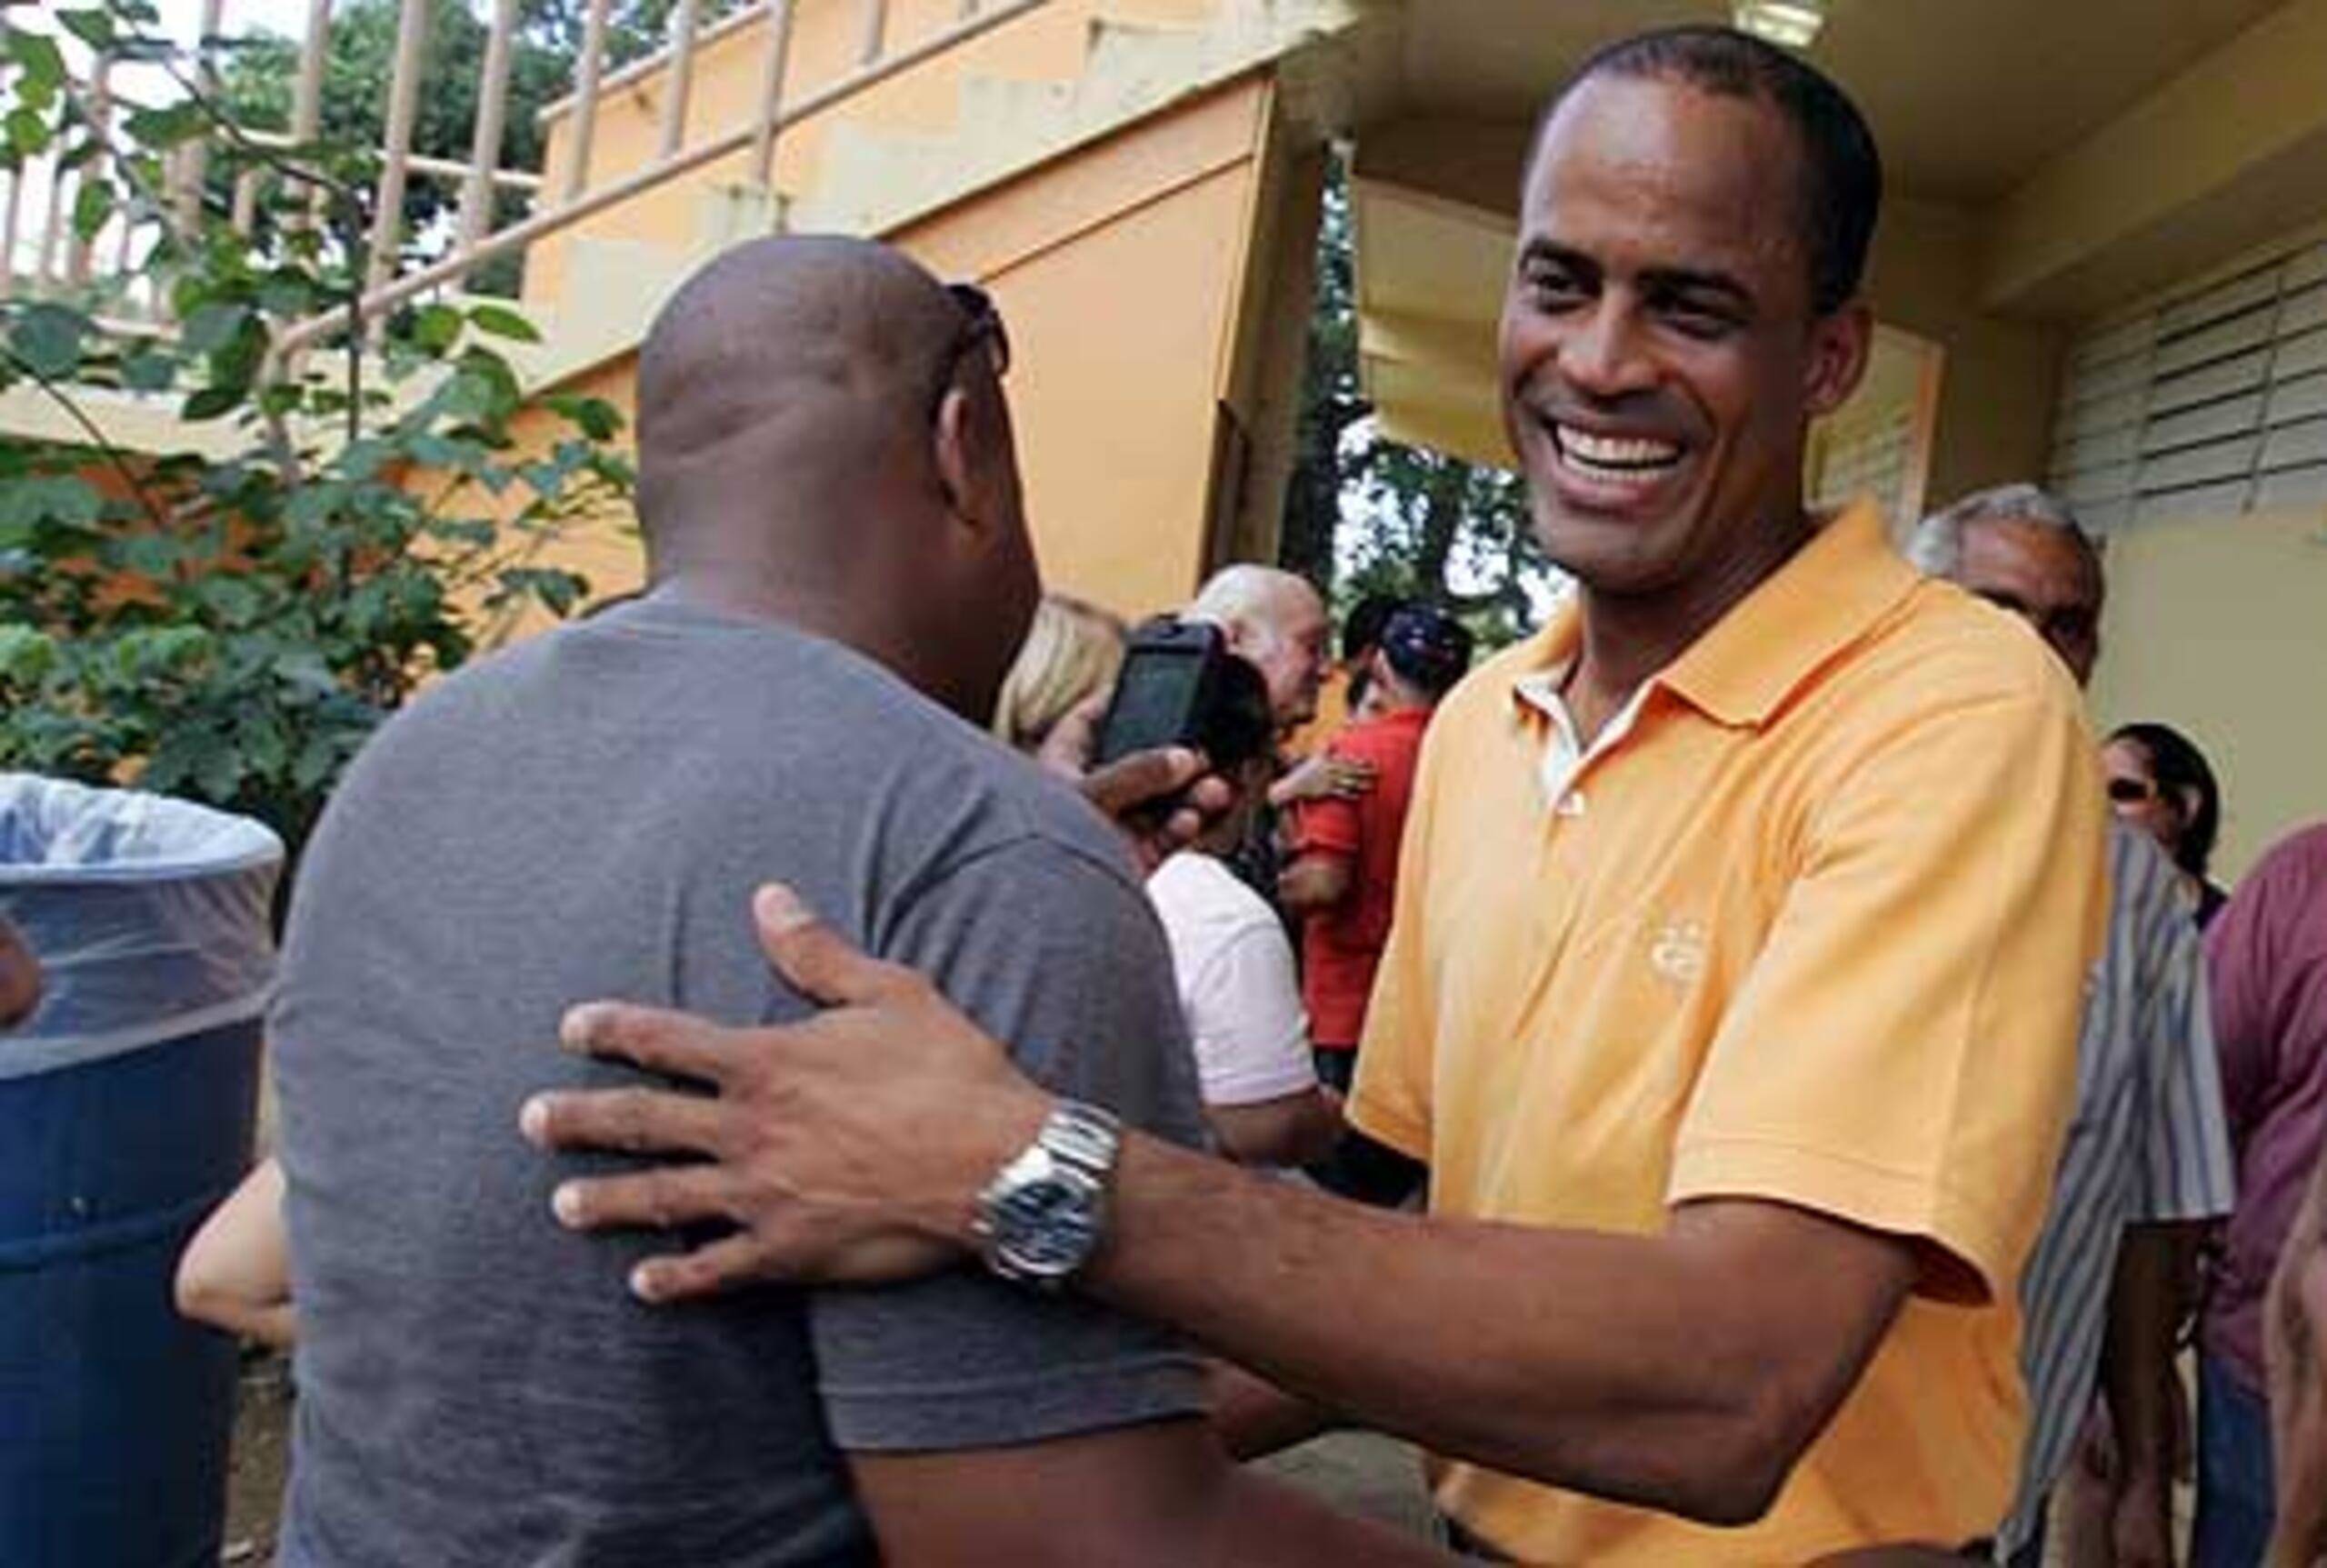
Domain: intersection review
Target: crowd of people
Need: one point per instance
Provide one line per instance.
(1739, 1076)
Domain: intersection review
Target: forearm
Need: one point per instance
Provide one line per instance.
(1245, 1518)
(1314, 883)
(1292, 1130)
(271, 1324)
(1160, 1494)
(1252, 1416)
(2148, 1296)
(1621, 1366)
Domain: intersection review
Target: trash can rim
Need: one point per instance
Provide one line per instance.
(143, 872)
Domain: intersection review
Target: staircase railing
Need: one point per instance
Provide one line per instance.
(62, 259)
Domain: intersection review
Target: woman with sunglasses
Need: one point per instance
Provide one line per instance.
(2160, 782)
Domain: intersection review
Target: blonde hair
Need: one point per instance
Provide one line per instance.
(1071, 652)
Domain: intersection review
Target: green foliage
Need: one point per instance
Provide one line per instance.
(360, 67)
(230, 621)
(1367, 514)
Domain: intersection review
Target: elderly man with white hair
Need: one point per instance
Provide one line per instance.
(2147, 1161)
(1275, 620)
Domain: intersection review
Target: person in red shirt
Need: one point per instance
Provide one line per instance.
(1343, 879)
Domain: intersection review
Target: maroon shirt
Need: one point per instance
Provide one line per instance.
(2267, 959)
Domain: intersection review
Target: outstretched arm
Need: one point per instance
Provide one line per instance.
(236, 1272)
(1687, 1371)
(1162, 1494)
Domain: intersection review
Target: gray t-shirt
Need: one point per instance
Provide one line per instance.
(587, 815)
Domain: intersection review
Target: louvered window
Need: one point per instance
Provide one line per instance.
(2214, 401)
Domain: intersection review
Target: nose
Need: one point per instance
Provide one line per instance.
(1601, 354)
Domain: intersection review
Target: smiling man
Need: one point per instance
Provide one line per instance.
(1731, 993)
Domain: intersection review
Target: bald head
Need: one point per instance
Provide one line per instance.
(798, 361)
(1276, 620)
(814, 443)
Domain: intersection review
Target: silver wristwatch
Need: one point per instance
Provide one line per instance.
(1043, 1213)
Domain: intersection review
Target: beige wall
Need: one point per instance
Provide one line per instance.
(1999, 377)
(2217, 627)
(1121, 272)
(665, 226)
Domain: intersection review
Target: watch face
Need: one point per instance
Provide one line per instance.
(1046, 1226)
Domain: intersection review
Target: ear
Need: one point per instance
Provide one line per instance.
(1840, 342)
(954, 453)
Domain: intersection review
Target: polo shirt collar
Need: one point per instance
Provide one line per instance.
(1794, 621)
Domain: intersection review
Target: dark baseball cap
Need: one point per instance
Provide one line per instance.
(1427, 647)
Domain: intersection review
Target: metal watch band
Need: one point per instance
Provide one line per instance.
(1041, 1217)
(1086, 1137)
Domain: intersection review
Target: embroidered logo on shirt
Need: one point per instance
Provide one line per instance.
(1679, 953)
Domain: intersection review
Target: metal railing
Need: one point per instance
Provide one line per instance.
(61, 259)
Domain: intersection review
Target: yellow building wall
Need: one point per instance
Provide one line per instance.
(2217, 627)
(1120, 271)
(730, 62)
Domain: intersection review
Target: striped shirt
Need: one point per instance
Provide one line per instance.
(2148, 1142)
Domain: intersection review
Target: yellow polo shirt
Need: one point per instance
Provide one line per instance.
(1813, 928)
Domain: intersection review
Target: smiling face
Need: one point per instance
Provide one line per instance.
(1660, 355)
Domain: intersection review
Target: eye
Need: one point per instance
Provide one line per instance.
(1551, 285)
(1697, 318)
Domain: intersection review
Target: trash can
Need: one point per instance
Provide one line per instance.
(127, 1103)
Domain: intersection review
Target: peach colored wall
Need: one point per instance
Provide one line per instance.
(1048, 45)
(1120, 271)
(2217, 627)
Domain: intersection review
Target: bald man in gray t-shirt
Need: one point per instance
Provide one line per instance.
(588, 815)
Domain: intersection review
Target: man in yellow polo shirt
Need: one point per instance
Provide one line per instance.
(1733, 994)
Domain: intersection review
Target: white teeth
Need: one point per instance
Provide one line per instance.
(1615, 452)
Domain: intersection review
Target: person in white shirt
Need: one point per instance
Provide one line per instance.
(1233, 963)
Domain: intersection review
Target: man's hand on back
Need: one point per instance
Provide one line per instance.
(847, 1148)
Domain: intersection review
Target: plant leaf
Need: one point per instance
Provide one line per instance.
(502, 322)
(47, 338)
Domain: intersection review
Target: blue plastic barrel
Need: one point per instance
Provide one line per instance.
(127, 1104)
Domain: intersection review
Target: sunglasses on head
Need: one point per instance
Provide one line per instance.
(2132, 791)
(981, 328)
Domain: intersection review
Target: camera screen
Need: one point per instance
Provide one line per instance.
(1153, 701)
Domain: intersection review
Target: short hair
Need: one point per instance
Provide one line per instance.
(2176, 763)
(1841, 169)
(1242, 591)
(1937, 547)
(1070, 653)
(1361, 627)
(1241, 723)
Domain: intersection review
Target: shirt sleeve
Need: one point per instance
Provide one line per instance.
(1076, 976)
(2183, 1170)
(1901, 1053)
(2237, 970)
(1251, 1035)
